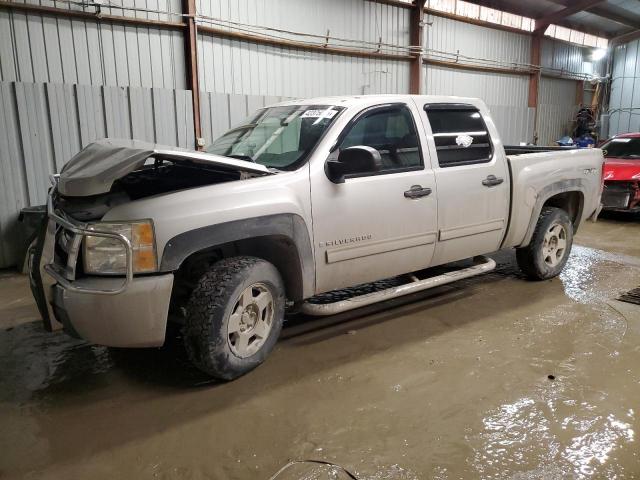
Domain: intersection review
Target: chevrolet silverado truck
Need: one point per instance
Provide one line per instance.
(304, 198)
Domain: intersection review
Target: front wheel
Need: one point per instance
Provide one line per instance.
(550, 246)
(234, 316)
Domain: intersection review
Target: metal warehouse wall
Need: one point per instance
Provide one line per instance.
(624, 103)
(506, 95)
(45, 48)
(556, 109)
(232, 66)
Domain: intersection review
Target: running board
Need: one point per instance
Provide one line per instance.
(483, 265)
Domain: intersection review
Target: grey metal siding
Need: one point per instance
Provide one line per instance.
(624, 104)
(44, 48)
(568, 58)
(238, 67)
(557, 109)
(42, 125)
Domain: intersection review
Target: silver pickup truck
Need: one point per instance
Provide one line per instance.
(303, 198)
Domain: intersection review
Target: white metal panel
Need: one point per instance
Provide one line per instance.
(353, 19)
(45, 48)
(227, 66)
(231, 66)
(443, 34)
(557, 109)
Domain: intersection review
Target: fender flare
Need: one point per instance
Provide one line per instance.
(564, 186)
(287, 225)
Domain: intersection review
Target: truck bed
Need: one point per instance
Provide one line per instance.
(522, 149)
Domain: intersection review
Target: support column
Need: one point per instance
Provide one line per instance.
(191, 55)
(416, 37)
(534, 81)
(579, 92)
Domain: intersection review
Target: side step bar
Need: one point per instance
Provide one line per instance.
(482, 265)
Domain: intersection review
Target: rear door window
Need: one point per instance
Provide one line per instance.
(460, 134)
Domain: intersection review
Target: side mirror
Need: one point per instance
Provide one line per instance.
(353, 161)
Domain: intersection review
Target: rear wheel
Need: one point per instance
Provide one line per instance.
(550, 246)
(234, 316)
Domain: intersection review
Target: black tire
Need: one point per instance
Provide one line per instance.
(534, 260)
(215, 298)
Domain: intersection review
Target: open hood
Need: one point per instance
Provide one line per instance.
(93, 170)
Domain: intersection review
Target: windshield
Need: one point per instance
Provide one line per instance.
(278, 137)
(622, 148)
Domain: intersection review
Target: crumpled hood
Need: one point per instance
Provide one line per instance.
(94, 169)
(622, 169)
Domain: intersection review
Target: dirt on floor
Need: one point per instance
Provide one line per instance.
(493, 377)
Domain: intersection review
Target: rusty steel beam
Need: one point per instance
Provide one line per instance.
(534, 77)
(416, 30)
(477, 68)
(191, 57)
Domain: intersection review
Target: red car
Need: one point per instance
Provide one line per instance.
(622, 173)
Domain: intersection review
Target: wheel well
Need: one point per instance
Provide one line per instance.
(570, 202)
(279, 250)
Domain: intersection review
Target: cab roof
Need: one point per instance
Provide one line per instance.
(363, 100)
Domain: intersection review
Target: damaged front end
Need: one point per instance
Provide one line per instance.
(104, 175)
(621, 196)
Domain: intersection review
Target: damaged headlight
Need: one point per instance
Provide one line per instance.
(103, 255)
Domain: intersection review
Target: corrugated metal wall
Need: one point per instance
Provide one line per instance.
(42, 125)
(568, 58)
(624, 103)
(232, 66)
(506, 95)
(45, 48)
(556, 109)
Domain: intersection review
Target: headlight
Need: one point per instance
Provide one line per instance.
(108, 256)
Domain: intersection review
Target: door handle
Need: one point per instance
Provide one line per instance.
(492, 181)
(417, 191)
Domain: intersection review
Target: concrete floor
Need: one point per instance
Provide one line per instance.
(495, 377)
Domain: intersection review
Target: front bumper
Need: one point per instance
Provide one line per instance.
(123, 311)
(621, 196)
(136, 317)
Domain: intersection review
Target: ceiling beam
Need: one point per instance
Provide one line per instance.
(527, 12)
(610, 12)
(577, 6)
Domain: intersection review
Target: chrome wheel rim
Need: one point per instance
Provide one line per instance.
(554, 245)
(250, 321)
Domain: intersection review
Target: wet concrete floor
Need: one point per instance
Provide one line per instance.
(494, 377)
